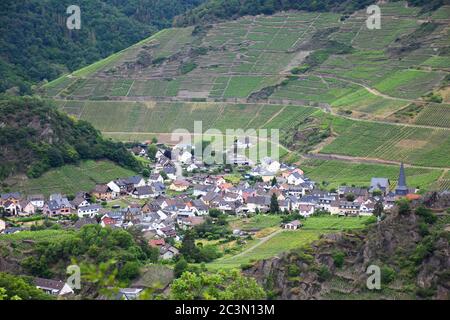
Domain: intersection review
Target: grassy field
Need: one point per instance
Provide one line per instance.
(282, 242)
(256, 222)
(70, 179)
(286, 240)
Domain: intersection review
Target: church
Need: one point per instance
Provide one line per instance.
(402, 188)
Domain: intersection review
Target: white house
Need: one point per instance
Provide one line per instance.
(274, 166)
(143, 192)
(168, 252)
(185, 157)
(261, 203)
(306, 209)
(270, 165)
(295, 179)
(89, 211)
(156, 177)
(2, 225)
(293, 225)
(27, 208)
(53, 287)
(367, 208)
(114, 188)
(37, 200)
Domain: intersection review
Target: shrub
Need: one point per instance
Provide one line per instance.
(426, 214)
(180, 267)
(293, 270)
(129, 271)
(425, 292)
(387, 274)
(246, 266)
(338, 258)
(403, 207)
(423, 229)
(324, 273)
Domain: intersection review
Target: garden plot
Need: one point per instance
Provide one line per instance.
(368, 66)
(53, 88)
(438, 62)
(443, 183)
(443, 13)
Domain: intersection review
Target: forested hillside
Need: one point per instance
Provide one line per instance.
(35, 136)
(225, 9)
(35, 43)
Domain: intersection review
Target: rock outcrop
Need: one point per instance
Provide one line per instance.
(413, 263)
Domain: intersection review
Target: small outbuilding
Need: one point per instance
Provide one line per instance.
(293, 225)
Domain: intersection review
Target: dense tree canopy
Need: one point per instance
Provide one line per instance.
(225, 9)
(35, 136)
(213, 10)
(91, 244)
(19, 288)
(35, 43)
(222, 285)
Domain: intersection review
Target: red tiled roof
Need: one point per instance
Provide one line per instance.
(157, 242)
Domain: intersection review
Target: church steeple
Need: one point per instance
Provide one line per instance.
(402, 188)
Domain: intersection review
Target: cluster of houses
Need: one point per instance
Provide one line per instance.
(166, 202)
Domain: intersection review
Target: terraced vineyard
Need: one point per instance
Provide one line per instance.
(268, 71)
(333, 174)
(435, 115)
(153, 117)
(414, 145)
(443, 183)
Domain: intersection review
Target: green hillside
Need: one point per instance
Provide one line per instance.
(35, 137)
(326, 81)
(36, 44)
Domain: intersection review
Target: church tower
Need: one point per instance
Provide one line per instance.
(402, 188)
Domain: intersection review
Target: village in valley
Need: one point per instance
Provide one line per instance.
(177, 192)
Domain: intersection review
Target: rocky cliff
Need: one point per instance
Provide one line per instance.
(410, 248)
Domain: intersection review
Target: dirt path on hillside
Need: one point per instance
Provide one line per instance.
(262, 241)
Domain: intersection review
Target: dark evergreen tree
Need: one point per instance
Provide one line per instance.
(274, 206)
